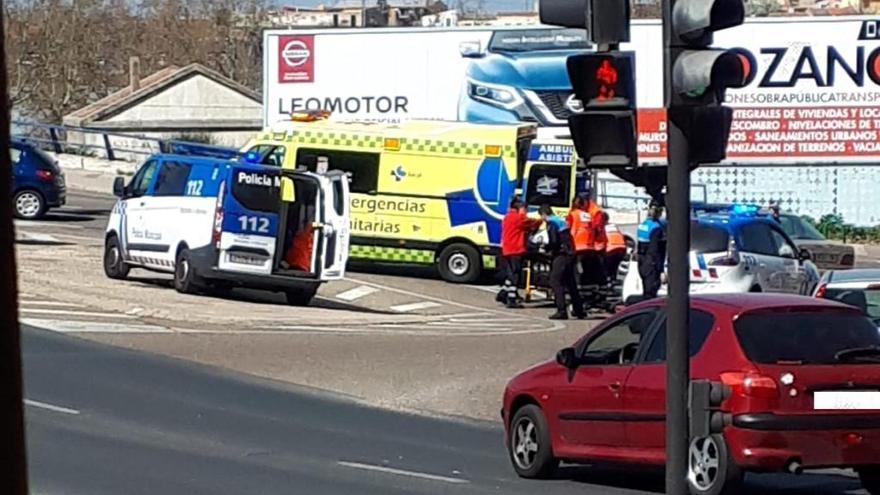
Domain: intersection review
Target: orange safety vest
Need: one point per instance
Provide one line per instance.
(600, 238)
(299, 255)
(582, 230)
(616, 241)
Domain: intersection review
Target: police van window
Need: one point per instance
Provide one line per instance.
(779, 240)
(362, 168)
(142, 180)
(549, 184)
(257, 191)
(757, 238)
(709, 238)
(172, 179)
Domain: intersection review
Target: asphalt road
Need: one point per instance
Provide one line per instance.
(102, 420)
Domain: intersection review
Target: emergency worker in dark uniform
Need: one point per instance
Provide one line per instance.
(652, 250)
(563, 279)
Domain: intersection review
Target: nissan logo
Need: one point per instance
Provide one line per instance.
(574, 104)
(295, 53)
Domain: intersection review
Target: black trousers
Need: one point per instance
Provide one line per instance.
(511, 272)
(592, 268)
(564, 279)
(650, 272)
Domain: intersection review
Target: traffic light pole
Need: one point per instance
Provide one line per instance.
(677, 309)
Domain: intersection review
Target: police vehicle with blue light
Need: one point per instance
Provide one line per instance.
(735, 249)
(219, 223)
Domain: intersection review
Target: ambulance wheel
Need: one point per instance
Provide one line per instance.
(114, 266)
(459, 263)
(300, 297)
(185, 279)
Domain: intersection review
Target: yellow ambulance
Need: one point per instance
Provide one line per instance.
(424, 192)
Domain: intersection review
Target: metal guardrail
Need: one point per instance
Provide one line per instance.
(55, 138)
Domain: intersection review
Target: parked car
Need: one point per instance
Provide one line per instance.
(804, 375)
(37, 181)
(826, 254)
(857, 287)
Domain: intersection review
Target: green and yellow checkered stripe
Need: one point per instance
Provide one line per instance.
(392, 254)
(408, 145)
(403, 255)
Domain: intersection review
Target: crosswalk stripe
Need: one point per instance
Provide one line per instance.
(356, 293)
(70, 326)
(65, 312)
(405, 308)
(51, 304)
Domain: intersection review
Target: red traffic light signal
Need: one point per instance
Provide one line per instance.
(603, 79)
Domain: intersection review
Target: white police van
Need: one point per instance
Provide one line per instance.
(220, 224)
(738, 251)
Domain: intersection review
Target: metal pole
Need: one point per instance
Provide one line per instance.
(13, 479)
(677, 308)
(363, 13)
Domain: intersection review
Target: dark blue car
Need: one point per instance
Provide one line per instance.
(37, 181)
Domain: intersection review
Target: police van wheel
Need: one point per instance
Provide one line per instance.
(459, 263)
(185, 279)
(114, 266)
(300, 297)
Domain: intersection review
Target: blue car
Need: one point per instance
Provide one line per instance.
(37, 181)
(521, 77)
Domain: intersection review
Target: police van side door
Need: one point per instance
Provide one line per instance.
(336, 236)
(794, 270)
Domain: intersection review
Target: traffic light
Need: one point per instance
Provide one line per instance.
(697, 75)
(706, 398)
(604, 131)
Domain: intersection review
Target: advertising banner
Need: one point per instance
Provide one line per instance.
(813, 95)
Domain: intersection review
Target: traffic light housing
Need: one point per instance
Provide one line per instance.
(706, 398)
(697, 75)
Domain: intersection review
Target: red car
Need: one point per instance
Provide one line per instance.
(804, 374)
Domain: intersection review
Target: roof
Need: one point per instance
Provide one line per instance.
(855, 275)
(750, 301)
(411, 129)
(149, 86)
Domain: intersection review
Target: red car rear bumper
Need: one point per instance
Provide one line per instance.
(768, 442)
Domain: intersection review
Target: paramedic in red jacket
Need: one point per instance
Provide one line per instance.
(515, 229)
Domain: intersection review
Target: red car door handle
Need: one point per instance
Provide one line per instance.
(615, 386)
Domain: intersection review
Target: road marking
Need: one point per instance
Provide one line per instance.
(405, 308)
(66, 312)
(69, 326)
(356, 293)
(486, 288)
(51, 304)
(401, 472)
(34, 237)
(50, 407)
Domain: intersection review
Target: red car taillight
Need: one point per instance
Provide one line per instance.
(751, 385)
(218, 216)
(45, 175)
(820, 292)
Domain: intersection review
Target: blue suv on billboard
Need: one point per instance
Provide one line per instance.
(521, 77)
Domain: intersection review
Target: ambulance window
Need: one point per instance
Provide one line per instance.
(362, 168)
(523, 147)
(269, 154)
(172, 179)
(549, 184)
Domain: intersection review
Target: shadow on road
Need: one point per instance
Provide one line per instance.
(410, 271)
(653, 480)
(256, 296)
(42, 242)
